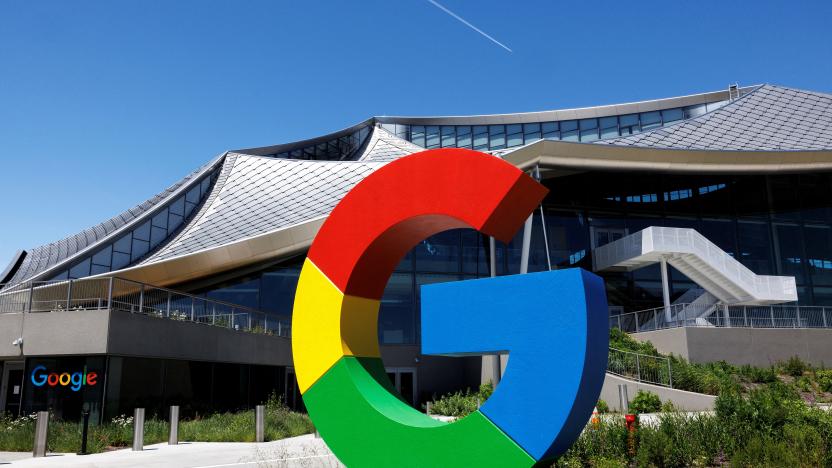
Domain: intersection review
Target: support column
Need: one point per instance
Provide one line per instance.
(527, 242)
(491, 369)
(492, 256)
(665, 291)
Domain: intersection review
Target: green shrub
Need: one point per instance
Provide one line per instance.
(602, 406)
(461, 404)
(758, 374)
(795, 367)
(668, 407)
(824, 379)
(646, 402)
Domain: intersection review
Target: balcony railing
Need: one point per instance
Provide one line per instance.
(138, 298)
(733, 316)
(640, 367)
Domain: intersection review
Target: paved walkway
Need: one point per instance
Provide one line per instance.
(303, 451)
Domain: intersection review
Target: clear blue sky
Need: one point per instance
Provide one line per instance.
(103, 104)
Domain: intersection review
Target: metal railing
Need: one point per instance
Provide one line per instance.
(138, 298)
(645, 368)
(721, 315)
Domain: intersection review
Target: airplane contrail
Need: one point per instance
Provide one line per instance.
(466, 23)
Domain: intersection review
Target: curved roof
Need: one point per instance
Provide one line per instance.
(50, 257)
(263, 207)
(770, 118)
(261, 195)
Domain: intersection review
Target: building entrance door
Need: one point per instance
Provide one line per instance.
(404, 379)
(294, 400)
(11, 389)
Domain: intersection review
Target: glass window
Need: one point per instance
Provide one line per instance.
(178, 206)
(123, 244)
(174, 222)
(651, 120)
(448, 136)
(80, 270)
(463, 137)
(755, 247)
(140, 248)
(157, 235)
(695, 111)
(720, 232)
(514, 135)
(589, 129)
(120, 260)
(439, 252)
(474, 255)
(569, 130)
(568, 236)
(785, 203)
(672, 115)
(142, 232)
(432, 136)
(480, 137)
(609, 127)
(205, 185)
(189, 208)
(496, 137)
(531, 132)
(417, 133)
(246, 293)
(819, 253)
(193, 195)
(102, 257)
(815, 193)
(750, 200)
(160, 220)
(278, 290)
(98, 269)
(551, 130)
(629, 124)
(789, 247)
(397, 314)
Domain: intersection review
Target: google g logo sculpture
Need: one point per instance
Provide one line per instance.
(553, 324)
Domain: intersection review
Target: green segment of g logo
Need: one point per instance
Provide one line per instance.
(334, 325)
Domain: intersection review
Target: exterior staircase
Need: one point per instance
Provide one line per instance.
(716, 272)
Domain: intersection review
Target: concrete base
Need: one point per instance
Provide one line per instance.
(303, 451)
(755, 346)
(682, 400)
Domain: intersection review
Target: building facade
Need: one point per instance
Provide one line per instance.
(750, 169)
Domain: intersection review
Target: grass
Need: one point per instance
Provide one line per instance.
(18, 435)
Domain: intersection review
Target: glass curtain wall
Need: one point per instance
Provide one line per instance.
(777, 225)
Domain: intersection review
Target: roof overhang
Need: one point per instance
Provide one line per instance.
(277, 244)
(590, 156)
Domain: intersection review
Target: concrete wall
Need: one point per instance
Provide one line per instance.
(671, 341)
(141, 335)
(755, 346)
(54, 333)
(685, 401)
(85, 332)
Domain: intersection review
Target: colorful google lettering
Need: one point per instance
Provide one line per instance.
(74, 380)
(553, 323)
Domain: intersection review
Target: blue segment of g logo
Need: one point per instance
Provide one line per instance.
(555, 327)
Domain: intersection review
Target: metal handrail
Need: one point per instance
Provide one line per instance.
(724, 316)
(132, 296)
(647, 368)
